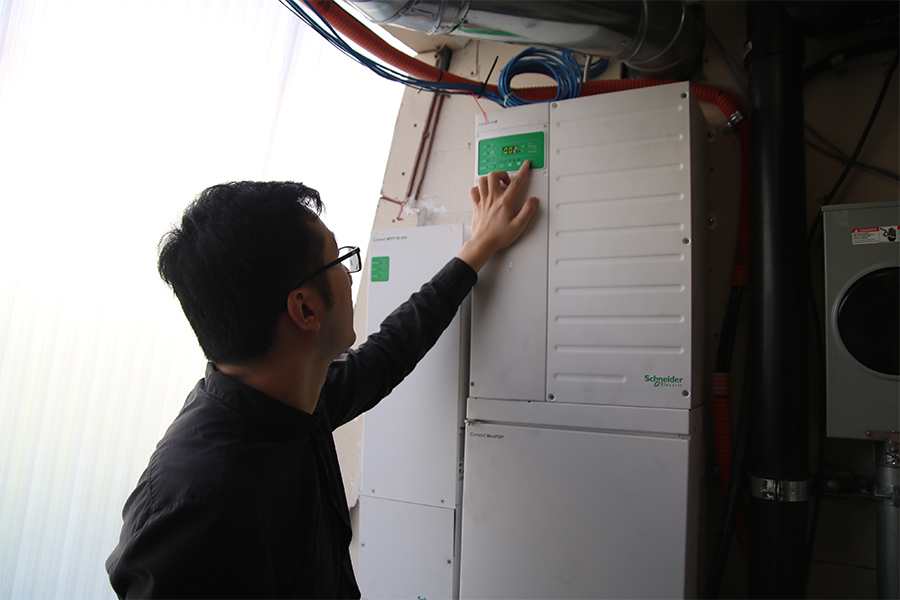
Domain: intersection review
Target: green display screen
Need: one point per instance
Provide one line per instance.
(507, 153)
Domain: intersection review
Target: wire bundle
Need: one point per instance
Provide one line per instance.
(562, 67)
(309, 15)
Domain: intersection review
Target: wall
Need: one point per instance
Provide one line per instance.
(837, 106)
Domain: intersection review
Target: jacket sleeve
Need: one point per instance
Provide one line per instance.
(193, 550)
(360, 378)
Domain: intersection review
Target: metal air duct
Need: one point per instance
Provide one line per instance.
(654, 38)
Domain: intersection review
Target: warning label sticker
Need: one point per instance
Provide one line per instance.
(875, 235)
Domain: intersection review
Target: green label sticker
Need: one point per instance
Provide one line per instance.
(381, 268)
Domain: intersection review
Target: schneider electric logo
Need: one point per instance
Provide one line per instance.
(670, 381)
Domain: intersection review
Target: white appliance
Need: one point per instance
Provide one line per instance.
(412, 441)
(583, 438)
(862, 312)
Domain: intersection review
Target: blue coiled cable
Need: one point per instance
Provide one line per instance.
(561, 66)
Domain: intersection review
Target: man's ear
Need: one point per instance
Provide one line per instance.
(301, 307)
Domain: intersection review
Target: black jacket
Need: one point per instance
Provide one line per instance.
(243, 496)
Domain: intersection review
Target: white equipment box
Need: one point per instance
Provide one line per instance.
(412, 448)
(610, 275)
(583, 441)
(862, 311)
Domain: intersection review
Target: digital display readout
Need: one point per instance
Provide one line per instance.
(511, 149)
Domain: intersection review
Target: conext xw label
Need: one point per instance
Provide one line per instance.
(874, 235)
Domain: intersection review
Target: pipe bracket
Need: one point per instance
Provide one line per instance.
(889, 494)
(780, 491)
(891, 436)
(735, 118)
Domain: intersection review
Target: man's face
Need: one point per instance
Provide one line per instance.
(338, 320)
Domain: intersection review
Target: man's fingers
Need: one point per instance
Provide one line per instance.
(525, 214)
(499, 186)
(516, 183)
(496, 181)
(475, 194)
(483, 187)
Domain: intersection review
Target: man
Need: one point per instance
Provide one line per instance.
(243, 496)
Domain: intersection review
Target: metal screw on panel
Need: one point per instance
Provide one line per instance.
(551, 397)
(555, 105)
(686, 241)
(685, 393)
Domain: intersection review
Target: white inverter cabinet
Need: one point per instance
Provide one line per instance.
(583, 435)
(412, 441)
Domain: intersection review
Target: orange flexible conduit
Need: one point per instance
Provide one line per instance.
(356, 32)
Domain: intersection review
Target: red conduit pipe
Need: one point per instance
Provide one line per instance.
(722, 386)
(360, 35)
(356, 32)
(723, 443)
(431, 129)
(426, 134)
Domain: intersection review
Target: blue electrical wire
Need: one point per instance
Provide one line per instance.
(323, 28)
(562, 67)
(598, 68)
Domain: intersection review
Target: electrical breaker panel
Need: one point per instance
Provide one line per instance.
(862, 311)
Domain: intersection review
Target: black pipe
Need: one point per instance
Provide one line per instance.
(778, 450)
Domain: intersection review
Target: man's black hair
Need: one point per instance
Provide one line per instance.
(239, 250)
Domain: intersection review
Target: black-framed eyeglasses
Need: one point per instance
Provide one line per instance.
(346, 253)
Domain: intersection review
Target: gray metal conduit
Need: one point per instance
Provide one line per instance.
(654, 38)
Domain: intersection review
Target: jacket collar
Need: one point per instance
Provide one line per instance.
(264, 411)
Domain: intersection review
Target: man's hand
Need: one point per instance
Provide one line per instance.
(496, 224)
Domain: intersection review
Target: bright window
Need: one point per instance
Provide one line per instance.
(113, 116)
